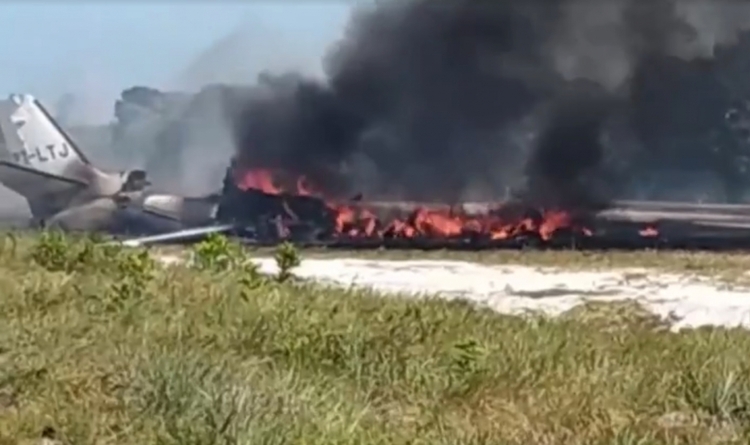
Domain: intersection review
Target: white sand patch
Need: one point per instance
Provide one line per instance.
(509, 289)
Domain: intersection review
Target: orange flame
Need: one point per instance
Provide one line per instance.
(357, 221)
(649, 232)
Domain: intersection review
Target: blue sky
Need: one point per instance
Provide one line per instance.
(96, 48)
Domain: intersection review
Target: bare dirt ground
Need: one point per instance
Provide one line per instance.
(690, 289)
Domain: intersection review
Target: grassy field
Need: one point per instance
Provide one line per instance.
(102, 346)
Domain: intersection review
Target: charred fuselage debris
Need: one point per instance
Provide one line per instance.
(274, 217)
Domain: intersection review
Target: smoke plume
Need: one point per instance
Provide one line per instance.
(452, 99)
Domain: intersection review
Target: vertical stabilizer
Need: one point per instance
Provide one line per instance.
(32, 139)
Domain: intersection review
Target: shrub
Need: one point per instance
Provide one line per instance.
(287, 258)
(216, 253)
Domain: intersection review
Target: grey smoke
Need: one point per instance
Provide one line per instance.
(181, 135)
(181, 139)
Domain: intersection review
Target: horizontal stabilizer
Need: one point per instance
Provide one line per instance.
(33, 184)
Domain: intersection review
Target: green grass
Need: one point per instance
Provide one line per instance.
(103, 346)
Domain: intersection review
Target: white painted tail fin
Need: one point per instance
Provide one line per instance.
(37, 159)
(35, 141)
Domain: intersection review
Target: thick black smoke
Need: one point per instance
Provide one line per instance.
(566, 165)
(450, 100)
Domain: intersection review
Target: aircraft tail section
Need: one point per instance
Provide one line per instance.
(33, 139)
(38, 160)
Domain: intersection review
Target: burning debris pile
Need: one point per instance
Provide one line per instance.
(298, 210)
(278, 207)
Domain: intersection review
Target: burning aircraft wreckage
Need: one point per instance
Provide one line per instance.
(260, 206)
(430, 101)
